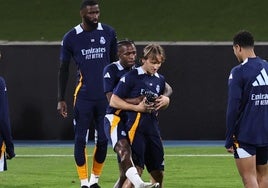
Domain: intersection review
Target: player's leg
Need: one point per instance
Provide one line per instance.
(245, 159)
(262, 175)
(154, 159)
(116, 133)
(157, 176)
(101, 143)
(3, 164)
(154, 152)
(247, 170)
(81, 125)
(262, 166)
(138, 149)
(123, 150)
(122, 177)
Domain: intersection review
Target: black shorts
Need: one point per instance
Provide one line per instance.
(243, 150)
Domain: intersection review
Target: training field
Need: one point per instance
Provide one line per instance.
(46, 166)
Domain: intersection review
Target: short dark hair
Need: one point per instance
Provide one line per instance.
(88, 3)
(244, 39)
(125, 42)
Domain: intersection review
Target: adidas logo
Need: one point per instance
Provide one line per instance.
(262, 79)
(123, 79)
(107, 75)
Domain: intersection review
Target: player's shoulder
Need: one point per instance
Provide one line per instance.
(112, 66)
(69, 35)
(106, 27)
(237, 68)
(130, 75)
(133, 72)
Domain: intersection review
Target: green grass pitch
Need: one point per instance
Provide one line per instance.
(187, 167)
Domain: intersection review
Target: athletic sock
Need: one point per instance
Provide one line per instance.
(133, 175)
(93, 179)
(84, 182)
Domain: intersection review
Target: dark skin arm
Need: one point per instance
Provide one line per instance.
(162, 102)
(136, 100)
(168, 90)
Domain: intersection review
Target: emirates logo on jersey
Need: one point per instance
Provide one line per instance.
(102, 40)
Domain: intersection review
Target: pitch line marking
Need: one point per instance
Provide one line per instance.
(113, 155)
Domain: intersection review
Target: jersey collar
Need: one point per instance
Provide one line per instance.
(141, 71)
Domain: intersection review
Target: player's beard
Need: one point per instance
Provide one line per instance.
(90, 23)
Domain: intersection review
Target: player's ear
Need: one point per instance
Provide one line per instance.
(81, 13)
(142, 60)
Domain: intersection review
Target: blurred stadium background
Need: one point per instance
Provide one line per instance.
(196, 35)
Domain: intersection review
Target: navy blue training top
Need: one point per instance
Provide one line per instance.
(111, 76)
(91, 51)
(247, 111)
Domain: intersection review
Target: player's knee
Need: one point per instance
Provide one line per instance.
(124, 152)
(102, 145)
(79, 155)
(101, 151)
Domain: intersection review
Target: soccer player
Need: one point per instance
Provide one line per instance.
(247, 113)
(92, 45)
(6, 141)
(115, 120)
(142, 118)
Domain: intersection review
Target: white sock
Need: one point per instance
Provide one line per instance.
(84, 182)
(133, 175)
(93, 179)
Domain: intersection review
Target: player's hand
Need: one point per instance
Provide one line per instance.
(62, 108)
(143, 106)
(161, 102)
(230, 150)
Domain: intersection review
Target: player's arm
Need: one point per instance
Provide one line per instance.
(109, 95)
(63, 76)
(168, 90)
(233, 107)
(120, 103)
(162, 102)
(113, 48)
(136, 100)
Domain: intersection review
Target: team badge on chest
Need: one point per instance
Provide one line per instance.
(102, 40)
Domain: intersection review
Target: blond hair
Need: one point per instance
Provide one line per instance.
(153, 51)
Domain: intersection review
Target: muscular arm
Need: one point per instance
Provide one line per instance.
(168, 90)
(119, 103)
(63, 79)
(136, 100)
(162, 102)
